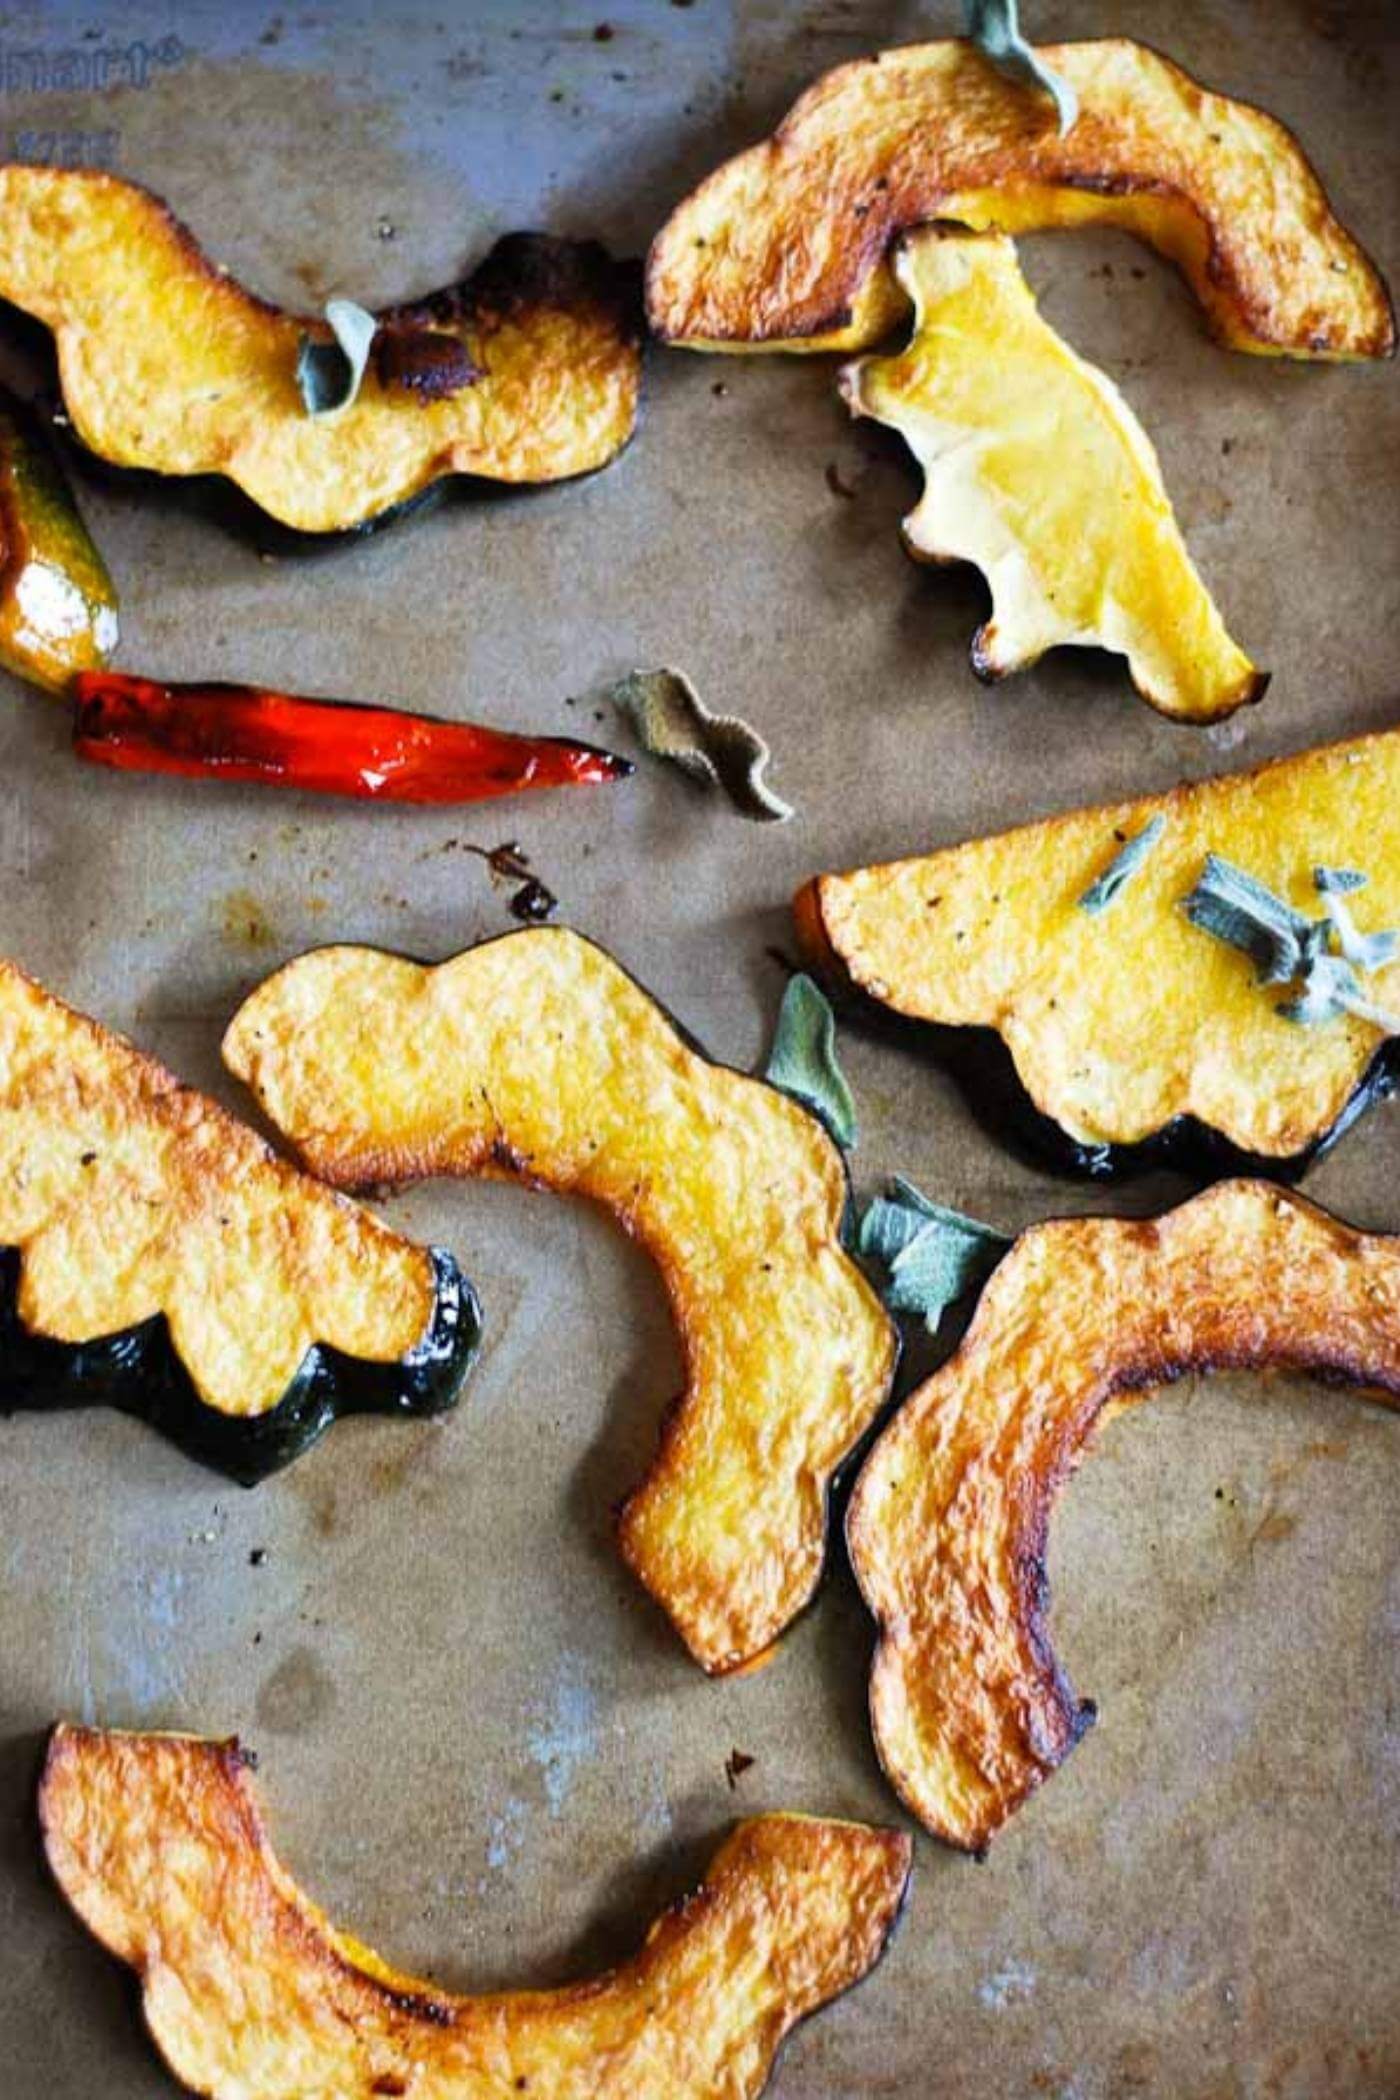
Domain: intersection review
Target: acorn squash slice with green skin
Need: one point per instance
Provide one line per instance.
(58, 605)
(156, 1256)
(948, 1522)
(1037, 470)
(536, 1058)
(784, 246)
(159, 1845)
(169, 365)
(1135, 1035)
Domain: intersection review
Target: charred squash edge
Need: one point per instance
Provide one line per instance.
(407, 1998)
(870, 305)
(509, 1169)
(1061, 1720)
(522, 270)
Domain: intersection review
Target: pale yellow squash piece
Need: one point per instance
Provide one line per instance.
(1122, 1020)
(1037, 470)
(251, 1994)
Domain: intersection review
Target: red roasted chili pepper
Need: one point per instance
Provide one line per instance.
(333, 747)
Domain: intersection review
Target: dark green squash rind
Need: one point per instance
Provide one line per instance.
(139, 1373)
(983, 1068)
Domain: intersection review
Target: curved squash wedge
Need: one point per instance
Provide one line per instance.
(169, 365)
(948, 1523)
(156, 1256)
(58, 606)
(1038, 471)
(783, 247)
(249, 1993)
(1133, 1033)
(535, 1058)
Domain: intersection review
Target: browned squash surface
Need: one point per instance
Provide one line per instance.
(170, 365)
(536, 1058)
(948, 1523)
(250, 1994)
(785, 245)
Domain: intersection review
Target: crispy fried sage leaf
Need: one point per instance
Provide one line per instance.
(1233, 906)
(720, 750)
(329, 374)
(929, 1255)
(1122, 868)
(1369, 951)
(994, 28)
(803, 1062)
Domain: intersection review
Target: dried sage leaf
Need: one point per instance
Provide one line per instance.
(1122, 868)
(995, 30)
(719, 750)
(329, 374)
(1234, 907)
(930, 1255)
(803, 1060)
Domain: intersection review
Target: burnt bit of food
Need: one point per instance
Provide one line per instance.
(735, 1765)
(533, 903)
(426, 362)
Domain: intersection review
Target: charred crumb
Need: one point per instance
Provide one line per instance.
(735, 1765)
(507, 862)
(425, 362)
(257, 1557)
(533, 903)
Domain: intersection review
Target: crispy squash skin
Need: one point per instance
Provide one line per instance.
(948, 1522)
(1122, 1024)
(171, 366)
(156, 1255)
(783, 247)
(536, 1058)
(158, 1844)
(1037, 470)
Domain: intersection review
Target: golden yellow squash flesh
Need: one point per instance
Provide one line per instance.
(249, 1993)
(1121, 1021)
(157, 1255)
(168, 364)
(948, 1523)
(1037, 470)
(785, 245)
(536, 1058)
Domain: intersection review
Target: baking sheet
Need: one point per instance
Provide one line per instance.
(482, 1747)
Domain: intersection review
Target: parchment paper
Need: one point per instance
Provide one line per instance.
(482, 1747)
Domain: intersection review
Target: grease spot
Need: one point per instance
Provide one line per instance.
(296, 1695)
(243, 921)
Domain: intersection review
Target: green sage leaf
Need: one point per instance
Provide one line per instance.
(1233, 906)
(719, 750)
(930, 1255)
(329, 374)
(803, 1061)
(1369, 951)
(1123, 866)
(995, 30)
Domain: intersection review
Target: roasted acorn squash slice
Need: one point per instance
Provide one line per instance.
(58, 606)
(168, 364)
(158, 1844)
(155, 1255)
(948, 1523)
(1132, 1031)
(784, 246)
(1038, 471)
(535, 1058)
